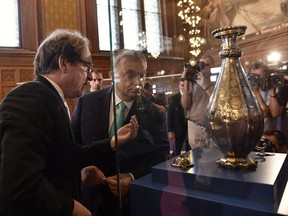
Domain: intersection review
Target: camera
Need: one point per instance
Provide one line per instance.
(275, 78)
(147, 86)
(257, 80)
(264, 145)
(192, 71)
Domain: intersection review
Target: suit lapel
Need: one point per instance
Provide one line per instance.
(41, 80)
(103, 101)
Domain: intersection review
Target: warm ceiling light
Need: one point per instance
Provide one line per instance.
(181, 38)
(193, 61)
(274, 57)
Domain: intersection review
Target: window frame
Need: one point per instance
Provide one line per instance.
(29, 30)
(91, 23)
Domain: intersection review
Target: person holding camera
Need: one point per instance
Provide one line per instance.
(195, 98)
(279, 106)
(273, 141)
(257, 75)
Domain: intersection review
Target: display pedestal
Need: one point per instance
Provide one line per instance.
(207, 189)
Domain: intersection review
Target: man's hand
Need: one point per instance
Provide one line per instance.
(80, 210)
(125, 180)
(255, 89)
(92, 176)
(126, 133)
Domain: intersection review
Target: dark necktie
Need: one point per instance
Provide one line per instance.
(119, 117)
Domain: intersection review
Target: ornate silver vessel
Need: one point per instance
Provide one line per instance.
(233, 112)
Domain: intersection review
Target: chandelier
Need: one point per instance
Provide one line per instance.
(142, 40)
(190, 15)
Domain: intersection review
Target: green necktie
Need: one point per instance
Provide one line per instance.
(119, 117)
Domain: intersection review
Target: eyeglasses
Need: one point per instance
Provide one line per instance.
(87, 64)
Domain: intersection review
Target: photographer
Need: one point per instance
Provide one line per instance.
(195, 98)
(257, 75)
(274, 141)
(278, 106)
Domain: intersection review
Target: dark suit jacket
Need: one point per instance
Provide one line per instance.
(90, 122)
(44, 176)
(35, 131)
(177, 122)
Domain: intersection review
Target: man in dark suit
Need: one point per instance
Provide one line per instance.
(177, 123)
(39, 159)
(93, 118)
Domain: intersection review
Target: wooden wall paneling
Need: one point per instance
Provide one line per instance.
(11, 76)
(91, 21)
(102, 62)
(30, 16)
(26, 74)
(17, 57)
(81, 5)
(61, 14)
(169, 25)
(7, 81)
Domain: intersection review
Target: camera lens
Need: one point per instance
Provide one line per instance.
(147, 86)
(276, 81)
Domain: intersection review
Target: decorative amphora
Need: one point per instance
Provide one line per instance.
(233, 113)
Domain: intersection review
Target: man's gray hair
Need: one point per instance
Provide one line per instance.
(133, 54)
(69, 44)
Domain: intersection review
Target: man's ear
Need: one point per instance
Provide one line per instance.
(62, 62)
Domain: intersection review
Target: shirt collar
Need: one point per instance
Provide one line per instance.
(127, 103)
(58, 89)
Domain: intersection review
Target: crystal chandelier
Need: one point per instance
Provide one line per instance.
(188, 12)
(142, 40)
(190, 15)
